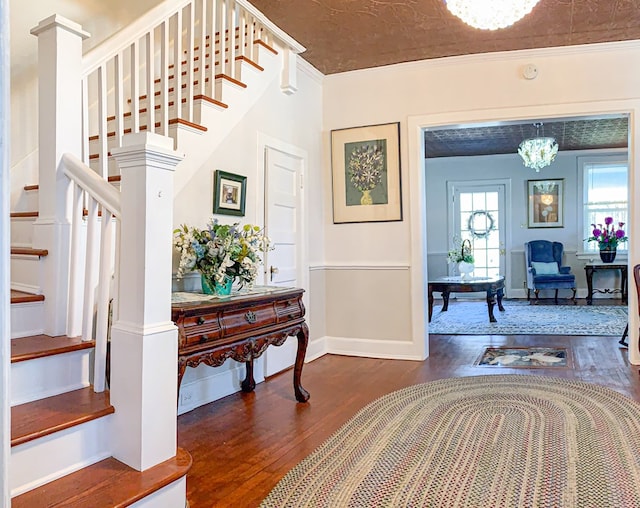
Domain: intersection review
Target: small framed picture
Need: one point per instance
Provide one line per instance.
(365, 164)
(546, 203)
(229, 193)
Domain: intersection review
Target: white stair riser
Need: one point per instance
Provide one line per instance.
(43, 460)
(26, 273)
(171, 496)
(52, 375)
(22, 227)
(27, 319)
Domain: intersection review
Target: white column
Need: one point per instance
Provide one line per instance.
(144, 340)
(634, 238)
(5, 312)
(59, 132)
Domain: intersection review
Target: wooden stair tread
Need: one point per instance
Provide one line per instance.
(28, 251)
(172, 121)
(115, 178)
(106, 483)
(39, 346)
(24, 297)
(42, 417)
(23, 214)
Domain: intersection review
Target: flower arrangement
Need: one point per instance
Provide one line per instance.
(221, 251)
(460, 252)
(365, 167)
(607, 235)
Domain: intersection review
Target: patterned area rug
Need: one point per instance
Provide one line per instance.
(471, 318)
(485, 441)
(527, 357)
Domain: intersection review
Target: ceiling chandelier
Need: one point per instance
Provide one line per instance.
(538, 152)
(490, 14)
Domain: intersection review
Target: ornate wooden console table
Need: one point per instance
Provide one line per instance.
(212, 329)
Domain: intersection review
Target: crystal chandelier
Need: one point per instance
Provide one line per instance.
(490, 14)
(538, 152)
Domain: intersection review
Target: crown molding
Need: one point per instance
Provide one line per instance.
(521, 54)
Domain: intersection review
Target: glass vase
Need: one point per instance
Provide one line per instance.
(211, 287)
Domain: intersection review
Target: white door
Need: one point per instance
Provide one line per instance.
(478, 215)
(283, 176)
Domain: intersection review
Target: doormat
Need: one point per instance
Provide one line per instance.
(528, 357)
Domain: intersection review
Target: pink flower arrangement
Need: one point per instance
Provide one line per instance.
(607, 235)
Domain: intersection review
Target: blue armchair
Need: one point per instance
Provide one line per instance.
(545, 270)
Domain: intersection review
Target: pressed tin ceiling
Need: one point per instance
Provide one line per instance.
(580, 134)
(347, 35)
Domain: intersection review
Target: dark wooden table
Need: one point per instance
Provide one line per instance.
(493, 286)
(241, 326)
(591, 268)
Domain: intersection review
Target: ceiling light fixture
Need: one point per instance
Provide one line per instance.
(538, 152)
(490, 14)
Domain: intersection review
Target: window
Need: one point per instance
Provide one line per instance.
(605, 194)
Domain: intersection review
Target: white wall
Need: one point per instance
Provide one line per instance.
(572, 81)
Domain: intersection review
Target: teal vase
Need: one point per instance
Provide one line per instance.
(211, 287)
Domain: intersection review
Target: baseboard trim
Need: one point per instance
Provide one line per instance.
(371, 348)
(316, 349)
(214, 385)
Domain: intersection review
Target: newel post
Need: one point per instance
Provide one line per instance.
(59, 132)
(144, 340)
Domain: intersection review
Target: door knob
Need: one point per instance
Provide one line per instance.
(273, 270)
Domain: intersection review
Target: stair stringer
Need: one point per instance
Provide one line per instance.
(220, 123)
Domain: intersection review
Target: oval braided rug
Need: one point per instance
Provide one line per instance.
(484, 441)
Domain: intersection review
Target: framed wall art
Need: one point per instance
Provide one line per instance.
(365, 164)
(229, 193)
(546, 203)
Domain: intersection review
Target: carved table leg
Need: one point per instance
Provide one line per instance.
(491, 301)
(500, 295)
(302, 395)
(248, 384)
(182, 367)
(445, 301)
(430, 303)
(624, 284)
(589, 272)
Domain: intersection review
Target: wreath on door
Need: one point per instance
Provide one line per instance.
(478, 219)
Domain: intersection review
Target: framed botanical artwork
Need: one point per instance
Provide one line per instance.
(229, 193)
(546, 203)
(365, 164)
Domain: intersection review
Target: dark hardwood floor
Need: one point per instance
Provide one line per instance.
(243, 444)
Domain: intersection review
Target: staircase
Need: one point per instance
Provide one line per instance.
(187, 71)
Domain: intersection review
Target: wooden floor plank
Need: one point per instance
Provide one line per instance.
(42, 417)
(108, 483)
(39, 346)
(243, 444)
